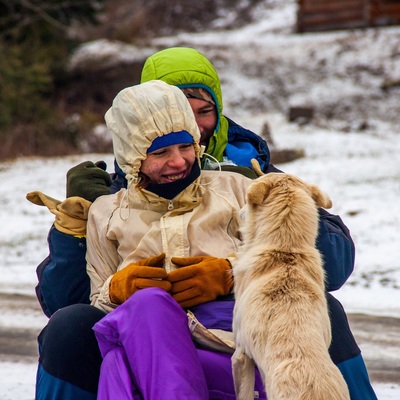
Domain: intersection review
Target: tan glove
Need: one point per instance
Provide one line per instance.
(139, 275)
(71, 214)
(200, 279)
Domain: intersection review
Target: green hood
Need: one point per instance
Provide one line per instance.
(186, 67)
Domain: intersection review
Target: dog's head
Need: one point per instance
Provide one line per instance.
(283, 210)
(263, 186)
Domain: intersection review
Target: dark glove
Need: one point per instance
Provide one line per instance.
(88, 180)
(200, 279)
(139, 275)
(246, 171)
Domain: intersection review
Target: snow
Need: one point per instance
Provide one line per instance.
(360, 170)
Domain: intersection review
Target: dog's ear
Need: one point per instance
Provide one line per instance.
(258, 191)
(321, 199)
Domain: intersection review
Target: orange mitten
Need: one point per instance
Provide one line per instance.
(200, 279)
(138, 275)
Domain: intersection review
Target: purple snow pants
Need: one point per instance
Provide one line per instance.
(148, 354)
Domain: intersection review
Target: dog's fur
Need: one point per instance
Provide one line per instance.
(281, 322)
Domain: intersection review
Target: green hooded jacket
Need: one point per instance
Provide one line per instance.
(186, 67)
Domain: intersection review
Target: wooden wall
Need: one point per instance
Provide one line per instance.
(323, 15)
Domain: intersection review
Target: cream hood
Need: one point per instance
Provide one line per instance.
(141, 113)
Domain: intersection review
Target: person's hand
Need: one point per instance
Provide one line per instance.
(71, 214)
(200, 279)
(88, 180)
(145, 273)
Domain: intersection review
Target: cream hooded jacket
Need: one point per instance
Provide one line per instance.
(134, 224)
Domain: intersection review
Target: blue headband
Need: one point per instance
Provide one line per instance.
(169, 139)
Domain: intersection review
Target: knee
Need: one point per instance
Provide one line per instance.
(69, 328)
(343, 345)
(152, 299)
(148, 304)
(68, 347)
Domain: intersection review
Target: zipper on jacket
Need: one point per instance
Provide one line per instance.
(170, 205)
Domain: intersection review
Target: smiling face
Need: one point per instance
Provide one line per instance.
(169, 164)
(206, 118)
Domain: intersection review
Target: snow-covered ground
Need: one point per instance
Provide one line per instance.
(360, 170)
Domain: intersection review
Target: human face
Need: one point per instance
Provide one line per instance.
(206, 118)
(169, 164)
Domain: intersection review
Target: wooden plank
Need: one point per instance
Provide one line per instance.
(332, 9)
(331, 27)
(321, 24)
(356, 14)
(385, 12)
(390, 9)
(342, 16)
(311, 3)
(330, 6)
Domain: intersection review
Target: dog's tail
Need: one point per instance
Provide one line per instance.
(243, 374)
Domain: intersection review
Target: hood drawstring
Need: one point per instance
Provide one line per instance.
(130, 179)
(219, 168)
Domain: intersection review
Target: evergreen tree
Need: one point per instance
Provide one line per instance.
(34, 48)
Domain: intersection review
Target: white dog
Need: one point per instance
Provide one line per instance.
(281, 322)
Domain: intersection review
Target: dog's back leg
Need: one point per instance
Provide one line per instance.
(243, 374)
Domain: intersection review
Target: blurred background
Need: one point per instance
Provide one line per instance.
(62, 62)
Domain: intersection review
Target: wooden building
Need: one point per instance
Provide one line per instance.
(324, 15)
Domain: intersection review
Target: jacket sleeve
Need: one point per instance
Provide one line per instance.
(62, 277)
(337, 249)
(102, 258)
